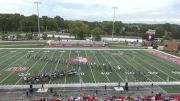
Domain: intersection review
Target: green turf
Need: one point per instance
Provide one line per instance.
(172, 52)
(171, 89)
(138, 62)
(126, 47)
(22, 44)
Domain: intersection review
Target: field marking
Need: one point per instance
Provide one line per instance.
(164, 61)
(102, 69)
(132, 67)
(67, 67)
(147, 68)
(162, 67)
(31, 66)
(74, 49)
(13, 63)
(2, 52)
(142, 66)
(118, 63)
(22, 45)
(79, 70)
(9, 59)
(158, 69)
(115, 59)
(58, 61)
(111, 65)
(163, 89)
(47, 62)
(147, 71)
(56, 65)
(89, 85)
(6, 55)
(91, 68)
(167, 54)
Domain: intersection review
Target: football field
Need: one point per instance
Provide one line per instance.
(91, 65)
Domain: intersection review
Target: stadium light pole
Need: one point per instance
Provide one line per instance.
(37, 3)
(114, 21)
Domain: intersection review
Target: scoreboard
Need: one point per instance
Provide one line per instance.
(150, 34)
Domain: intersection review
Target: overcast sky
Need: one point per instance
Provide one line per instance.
(146, 11)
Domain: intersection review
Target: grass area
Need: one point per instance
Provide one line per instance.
(172, 52)
(22, 44)
(171, 89)
(135, 65)
(126, 47)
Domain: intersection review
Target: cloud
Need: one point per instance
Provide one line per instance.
(148, 11)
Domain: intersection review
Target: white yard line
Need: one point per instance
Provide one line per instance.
(46, 63)
(9, 59)
(73, 49)
(31, 67)
(158, 69)
(112, 66)
(56, 65)
(130, 65)
(145, 66)
(14, 72)
(102, 69)
(58, 61)
(2, 52)
(5, 56)
(80, 78)
(89, 85)
(91, 69)
(118, 62)
(164, 62)
(21, 45)
(168, 54)
(147, 70)
(67, 66)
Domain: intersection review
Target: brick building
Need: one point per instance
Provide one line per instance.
(172, 45)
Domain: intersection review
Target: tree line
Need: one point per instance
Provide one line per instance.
(19, 23)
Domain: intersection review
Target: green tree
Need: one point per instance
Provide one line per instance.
(79, 29)
(53, 36)
(167, 36)
(60, 22)
(18, 36)
(96, 32)
(44, 36)
(4, 36)
(29, 36)
(59, 38)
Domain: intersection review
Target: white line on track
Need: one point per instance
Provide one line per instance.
(9, 59)
(46, 63)
(14, 72)
(79, 70)
(165, 62)
(145, 66)
(130, 65)
(56, 65)
(91, 69)
(30, 67)
(102, 69)
(67, 67)
(158, 69)
(118, 62)
(111, 65)
(74, 49)
(3, 53)
(5, 56)
(146, 70)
